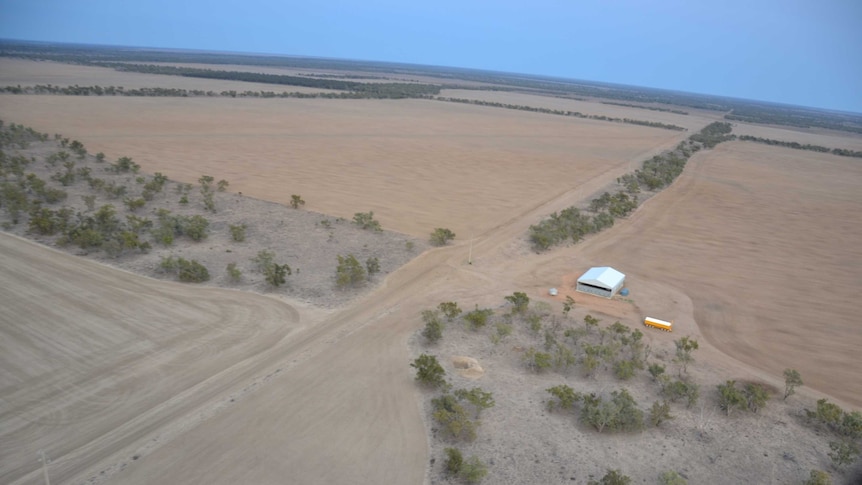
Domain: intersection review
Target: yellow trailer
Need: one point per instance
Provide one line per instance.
(659, 324)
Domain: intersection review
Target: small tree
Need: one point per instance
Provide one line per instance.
(612, 477)
(366, 221)
(843, 452)
(441, 236)
(655, 370)
(818, 477)
(372, 265)
(454, 462)
(792, 380)
(276, 274)
(566, 397)
(729, 397)
(296, 201)
(450, 309)
(520, 301)
(478, 318)
(684, 348)
(222, 185)
(429, 372)
(755, 396)
(191, 271)
(473, 470)
(234, 273)
(453, 418)
(433, 330)
(659, 413)
(671, 477)
(237, 232)
(349, 272)
(480, 399)
(568, 305)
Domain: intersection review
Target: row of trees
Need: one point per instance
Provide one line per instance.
(798, 146)
(572, 224)
(574, 114)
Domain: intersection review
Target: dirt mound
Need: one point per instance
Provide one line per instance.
(468, 367)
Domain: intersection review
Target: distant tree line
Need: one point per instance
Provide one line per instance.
(359, 89)
(574, 114)
(798, 146)
(651, 108)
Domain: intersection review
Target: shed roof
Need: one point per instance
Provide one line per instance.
(602, 276)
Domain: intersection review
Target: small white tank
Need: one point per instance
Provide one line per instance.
(553, 292)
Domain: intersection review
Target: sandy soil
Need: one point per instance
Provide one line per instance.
(334, 400)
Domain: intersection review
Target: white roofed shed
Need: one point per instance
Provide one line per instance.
(601, 281)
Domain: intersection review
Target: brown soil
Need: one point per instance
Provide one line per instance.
(329, 398)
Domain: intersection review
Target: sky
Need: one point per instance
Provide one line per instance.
(800, 52)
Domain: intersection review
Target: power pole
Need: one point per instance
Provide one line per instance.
(44, 460)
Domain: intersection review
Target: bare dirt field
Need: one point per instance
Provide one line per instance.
(95, 358)
(417, 164)
(765, 241)
(216, 386)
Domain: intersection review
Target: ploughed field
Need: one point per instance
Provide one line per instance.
(417, 164)
(95, 358)
(765, 241)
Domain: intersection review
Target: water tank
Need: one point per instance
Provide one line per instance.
(624, 292)
(553, 292)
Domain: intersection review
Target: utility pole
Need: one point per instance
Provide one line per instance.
(44, 460)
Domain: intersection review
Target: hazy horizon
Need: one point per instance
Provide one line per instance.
(792, 53)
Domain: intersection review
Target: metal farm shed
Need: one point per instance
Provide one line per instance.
(601, 281)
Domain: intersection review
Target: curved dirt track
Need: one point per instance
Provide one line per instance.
(95, 358)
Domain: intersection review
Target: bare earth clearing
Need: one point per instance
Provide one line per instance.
(340, 404)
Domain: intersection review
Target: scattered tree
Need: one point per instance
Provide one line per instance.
(366, 221)
(433, 330)
(477, 397)
(659, 413)
(612, 477)
(372, 265)
(477, 318)
(454, 462)
(473, 470)
(520, 301)
(818, 477)
(222, 185)
(296, 201)
(671, 477)
(843, 452)
(684, 348)
(237, 232)
(566, 397)
(428, 371)
(568, 305)
(441, 236)
(450, 309)
(755, 396)
(730, 398)
(349, 272)
(792, 380)
(234, 273)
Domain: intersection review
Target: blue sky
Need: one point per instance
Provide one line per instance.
(804, 52)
